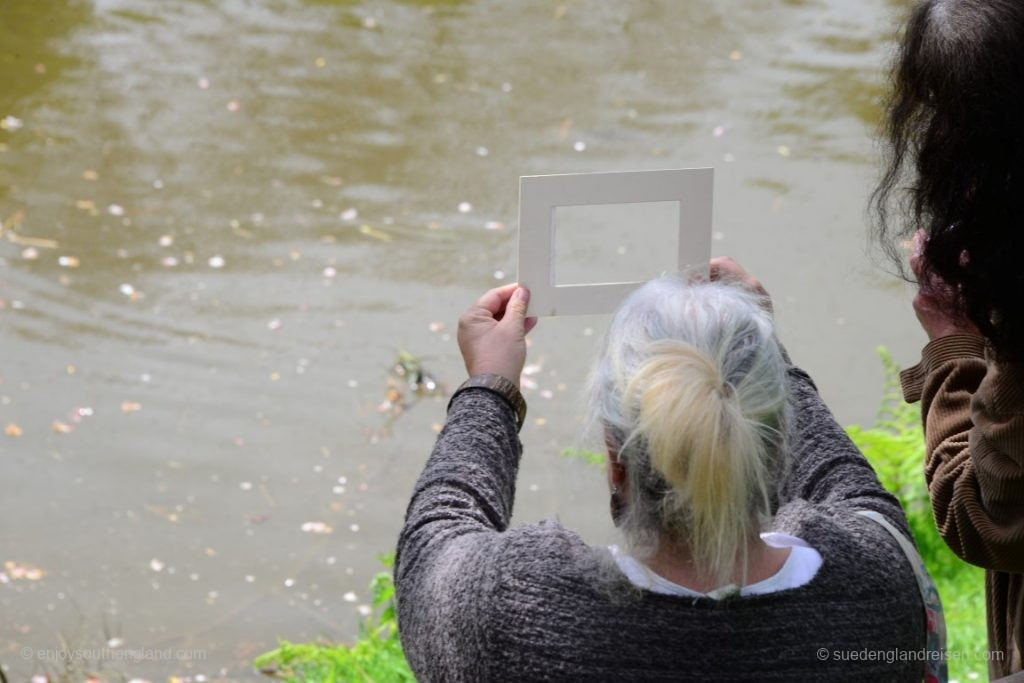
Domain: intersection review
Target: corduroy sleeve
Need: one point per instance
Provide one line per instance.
(973, 414)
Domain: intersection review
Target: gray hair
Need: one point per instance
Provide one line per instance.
(690, 392)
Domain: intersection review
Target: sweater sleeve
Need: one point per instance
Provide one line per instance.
(825, 467)
(973, 414)
(460, 503)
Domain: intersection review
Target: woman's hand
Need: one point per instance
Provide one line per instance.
(492, 333)
(724, 269)
(936, 302)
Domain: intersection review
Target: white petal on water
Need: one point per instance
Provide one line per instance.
(11, 123)
(349, 597)
(465, 207)
(216, 261)
(156, 565)
(579, 146)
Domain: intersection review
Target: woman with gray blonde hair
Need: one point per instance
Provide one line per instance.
(750, 550)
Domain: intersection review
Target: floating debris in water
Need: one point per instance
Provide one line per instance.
(320, 62)
(718, 131)
(376, 234)
(494, 225)
(364, 610)
(30, 254)
(499, 275)
(349, 214)
(369, 22)
(127, 289)
(11, 123)
(68, 261)
(349, 597)
(60, 427)
(274, 324)
(90, 174)
(735, 55)
(234, 105)
(245, 486)
(168, 262)
(115, 210)
(216, 261)
(12, 430)
(166, 240)
(317, 528)
(783, 150)
(579, 146)
(288, 583)
(436, 326)
(203, 83)
(130, 407)
(411, 369)
(330, 272)
(482, 151)
(465, 207)
(22, 572)
(156, 565)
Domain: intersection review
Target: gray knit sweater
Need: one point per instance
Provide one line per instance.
(478, 601)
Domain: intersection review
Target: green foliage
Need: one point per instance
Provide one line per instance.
(895, 448)
(375, 658)
(586, 456)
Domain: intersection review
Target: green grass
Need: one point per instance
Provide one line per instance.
(375, 658)
(894, 446)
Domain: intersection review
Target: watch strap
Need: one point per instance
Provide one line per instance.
(502, 386)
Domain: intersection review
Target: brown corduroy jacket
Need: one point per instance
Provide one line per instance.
(973, 414)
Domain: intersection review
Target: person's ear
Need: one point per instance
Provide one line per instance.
(616, 470)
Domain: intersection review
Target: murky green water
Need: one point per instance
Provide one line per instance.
(222, 221)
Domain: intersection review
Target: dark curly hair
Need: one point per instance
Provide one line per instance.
(954, 167)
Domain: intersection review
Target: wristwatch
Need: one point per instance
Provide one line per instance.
(501, 386)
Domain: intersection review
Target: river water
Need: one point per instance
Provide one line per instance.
(224, 220)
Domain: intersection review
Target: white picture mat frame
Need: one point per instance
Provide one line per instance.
(540, 195)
